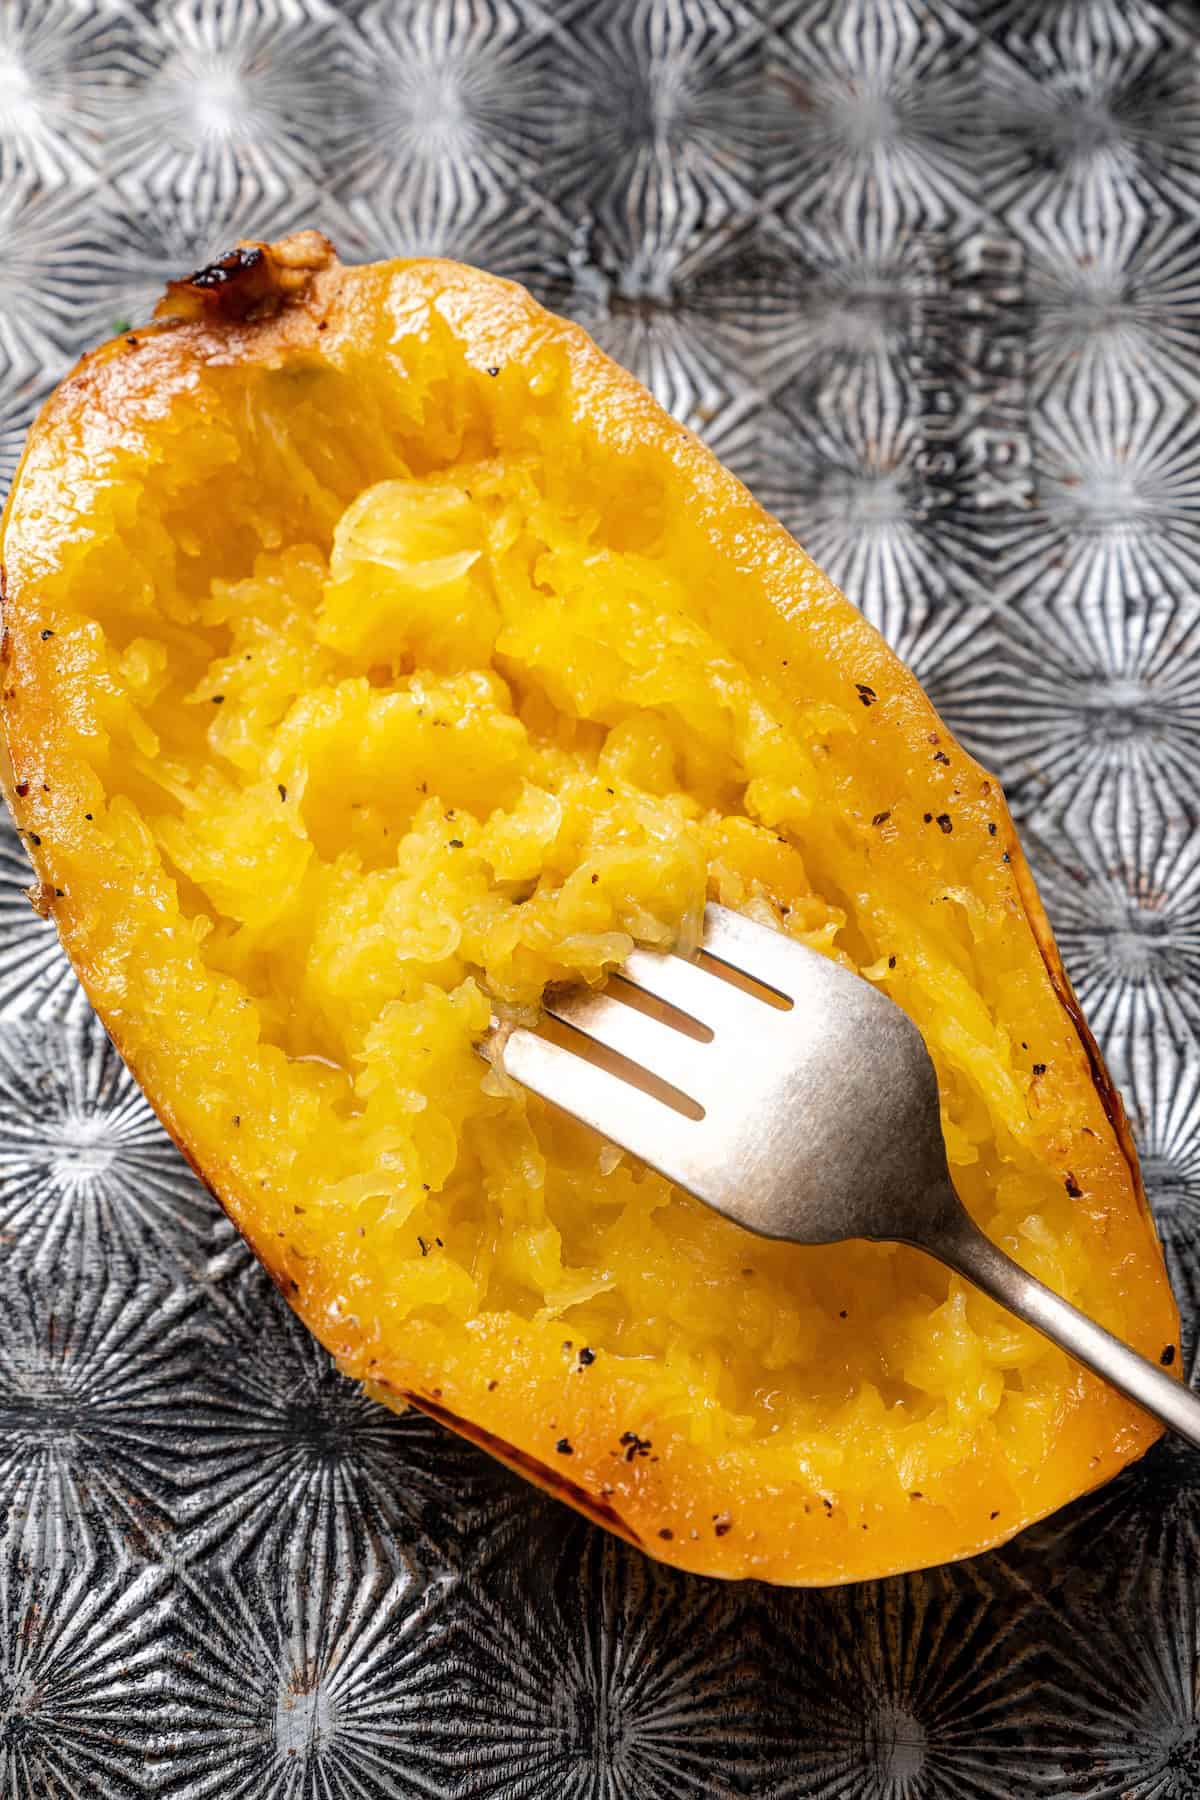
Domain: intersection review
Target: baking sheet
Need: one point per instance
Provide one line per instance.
(928, 276)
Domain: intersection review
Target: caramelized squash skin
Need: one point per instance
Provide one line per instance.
(377, 652)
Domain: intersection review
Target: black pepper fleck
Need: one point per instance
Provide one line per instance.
(881, 818)
(666, 1533)
(47, 634)
(1168, 1355)
(939, 756)
(635, 1445)
(587, 1357)
(563, 1447)
(493, 372)
(282, 791)
(456, 843)
(218, 699)
(22, 788)
(891, 962)
(1072, 1186)
(1039, 1068)
(866, 694)
(928, 818)
(722, 1526)
(991, 828)
(424, 1246)
(945, 822)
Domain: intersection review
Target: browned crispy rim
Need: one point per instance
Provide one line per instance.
(549, 1480)
(1102, 1081)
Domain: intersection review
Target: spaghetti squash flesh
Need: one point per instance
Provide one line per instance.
(364, 681)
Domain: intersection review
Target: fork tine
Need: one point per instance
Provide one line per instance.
(648, 1128)
(756, 950)
(655, 1046)
(697, 992)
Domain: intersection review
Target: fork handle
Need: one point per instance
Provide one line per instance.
(965, 1248)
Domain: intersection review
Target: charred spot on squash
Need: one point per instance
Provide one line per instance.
(231, 269)
(252, 280)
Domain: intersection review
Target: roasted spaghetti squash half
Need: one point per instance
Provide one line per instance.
(376, 653)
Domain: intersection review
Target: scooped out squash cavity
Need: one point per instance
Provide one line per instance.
(377, 653)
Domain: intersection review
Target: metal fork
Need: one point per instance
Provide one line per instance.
(804, 1106)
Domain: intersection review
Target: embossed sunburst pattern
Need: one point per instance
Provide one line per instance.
(928, 276)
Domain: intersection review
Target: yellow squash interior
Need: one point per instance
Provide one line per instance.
(382, 697)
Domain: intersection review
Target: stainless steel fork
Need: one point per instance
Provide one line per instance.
(800, 1102)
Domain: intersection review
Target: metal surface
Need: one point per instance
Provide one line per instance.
(928, 275)
(815, 1122)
